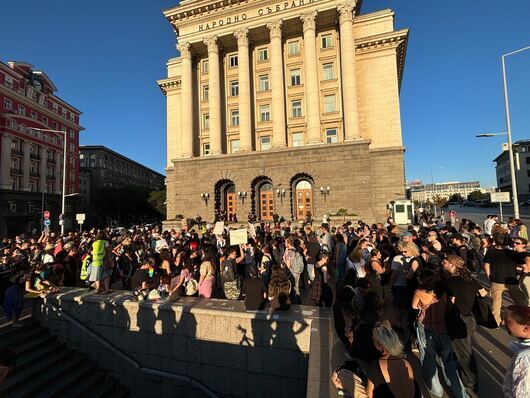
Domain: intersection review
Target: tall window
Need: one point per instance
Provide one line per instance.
(234, 117)
(296, 107)
(234, 146)
(21, 110)
(205, 66)
(295, 77)
(293, 48)
(265, 143)
(8, 81)
(327, 71)
(234, 88)
(232, 60)
(298, 139)
(263, 82)
(34, 115)
(263, 54)
(8, 104)
(331, 136)
(326, 41)
(206, 121)
(265, 113)
(329, 103)
(205, 93)
(45, 120)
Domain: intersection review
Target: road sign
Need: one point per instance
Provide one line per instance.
(500, 197)
(80, 217)
(46, 214)
(47, 222)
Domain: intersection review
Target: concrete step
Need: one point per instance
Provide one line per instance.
(43, 348)
(117, 392)
(84, 386)
(67, 379)
(31, 372)
(102, 389)
(7, 329)
(28, 345)
(35, 384)
(25, 335)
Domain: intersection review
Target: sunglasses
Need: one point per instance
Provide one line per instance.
(518, 243)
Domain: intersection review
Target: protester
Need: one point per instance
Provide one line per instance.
(517, 379)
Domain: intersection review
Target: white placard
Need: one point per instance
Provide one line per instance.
(238, 236)
(219, 228)
(500, 197)
(80, 218)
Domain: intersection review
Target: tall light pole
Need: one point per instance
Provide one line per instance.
(509, 130)
(63, 196)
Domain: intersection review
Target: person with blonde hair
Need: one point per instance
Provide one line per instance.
(391, 375)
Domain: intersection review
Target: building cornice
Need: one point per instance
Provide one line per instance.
(170, 84)
(397, 39)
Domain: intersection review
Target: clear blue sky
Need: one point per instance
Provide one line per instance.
(105, 56)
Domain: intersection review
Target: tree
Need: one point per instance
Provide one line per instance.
(342, 212)
(439, 201)
(157, 200)
(477, 195)
(456, 197)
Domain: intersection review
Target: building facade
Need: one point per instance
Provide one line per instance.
(102, 167)
(283, 107)
(31, 161)
(521, 153)
(428, 192)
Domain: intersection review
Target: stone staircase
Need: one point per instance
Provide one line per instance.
(46, 367)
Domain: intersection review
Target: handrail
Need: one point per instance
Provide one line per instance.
(179, 377)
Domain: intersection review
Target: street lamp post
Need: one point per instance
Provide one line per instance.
(509, 131)
(63, 196)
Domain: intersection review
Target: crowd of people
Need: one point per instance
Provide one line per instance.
(391, 290)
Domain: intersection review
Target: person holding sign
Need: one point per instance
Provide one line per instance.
(229, 277)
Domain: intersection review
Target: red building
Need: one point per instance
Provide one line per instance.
(31, 160)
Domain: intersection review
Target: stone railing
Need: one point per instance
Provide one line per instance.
(214, 343)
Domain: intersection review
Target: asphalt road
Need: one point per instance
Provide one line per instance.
(478, 214)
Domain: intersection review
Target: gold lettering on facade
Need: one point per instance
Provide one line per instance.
(260, 12)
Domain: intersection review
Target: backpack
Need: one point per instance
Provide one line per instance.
(473, 259)
(228, 273)
(297, 265)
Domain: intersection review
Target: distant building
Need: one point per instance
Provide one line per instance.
(102, 167)
(521, 152)
(427, 193)
(30, 160)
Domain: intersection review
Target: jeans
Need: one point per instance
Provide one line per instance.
(465, 357)
(432, 345)
(311, 271)
(497, 289)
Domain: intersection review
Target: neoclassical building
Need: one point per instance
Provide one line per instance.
(288, 107)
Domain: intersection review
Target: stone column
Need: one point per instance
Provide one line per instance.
(214, 96)
(277, 85)
(43, 168)
(312, 94)
(5, 162)
(25, 166)
(347, 59)
(186, 136)
(245, 129)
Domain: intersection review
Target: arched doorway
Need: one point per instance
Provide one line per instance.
(225, 196)
(303, 198)
(230, 199)
(266, 201)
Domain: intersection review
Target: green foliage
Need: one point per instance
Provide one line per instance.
(477, 195)
(456, 197)
(157, 200)
(439, 201)
(127, 203)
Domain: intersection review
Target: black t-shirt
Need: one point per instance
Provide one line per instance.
(254, 289)
(381, 387)
(142, 275)
(503, 265)
(463, 291)
(313, 248)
